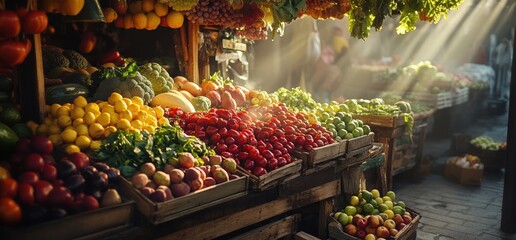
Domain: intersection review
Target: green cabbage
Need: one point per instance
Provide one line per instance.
(201, 104)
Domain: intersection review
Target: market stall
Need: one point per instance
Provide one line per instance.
(118, 109)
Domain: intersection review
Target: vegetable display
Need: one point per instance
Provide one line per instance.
(158, 76)
(487, 143)
(295, 99)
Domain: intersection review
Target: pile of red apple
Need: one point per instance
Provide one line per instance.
(375, 227)
(46, 189)
(183, 176)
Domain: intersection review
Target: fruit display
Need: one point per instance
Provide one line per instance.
(336, 118)
(467, 161)
(40, 188)
(371, 216)
(487, 143)
(296, 99)
(82, 125)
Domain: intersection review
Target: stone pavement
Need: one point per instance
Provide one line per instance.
(450, 210)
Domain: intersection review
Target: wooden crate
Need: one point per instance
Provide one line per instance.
(360, 142)
(460, 96)
(93, 224)
(437, 101)
(276, 230)
(274, 178)
(320, 155)
(409, 232)
(381, 120)
(165, 211)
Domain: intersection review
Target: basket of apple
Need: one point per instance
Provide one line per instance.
(48, 197)
(371, 216)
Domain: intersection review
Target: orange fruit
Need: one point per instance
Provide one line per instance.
(119, 22)
(128, 22)
(160, 9)
(135, 7)
(140, 20)
(148, 5)
(110, 14)
(175, 19)
(152, 21)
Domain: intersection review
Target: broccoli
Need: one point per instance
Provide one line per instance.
(77, 61)
(53, 59)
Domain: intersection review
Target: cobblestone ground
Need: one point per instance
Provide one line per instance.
(450, 210)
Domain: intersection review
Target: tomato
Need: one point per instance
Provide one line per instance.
(26, 194)
(9, 24)
(233, 148)
(229, 140)
(215, 138)
(14, 52)
(221, 147)
(10, 211)
(8, 187)
(34, 22)
(110, 56)
(249, 164)
(226, 154)
(210, 130)
(233, 124)
(272, 164)
(241, 139)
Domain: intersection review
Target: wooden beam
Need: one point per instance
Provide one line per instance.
(247, 217)
(276, 230)
(509, 191)
(31, 83)
(193, 52)
(325, 208)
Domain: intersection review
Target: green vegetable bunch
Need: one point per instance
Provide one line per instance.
(126, 81)
(485, 143)
(296, 99)
(128, 150)
(158, 76)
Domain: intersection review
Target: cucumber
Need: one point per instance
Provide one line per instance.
(8, 139)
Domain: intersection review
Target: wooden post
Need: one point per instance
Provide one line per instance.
(325, 208)
(509, 191)
(31, 83)
(193, 53)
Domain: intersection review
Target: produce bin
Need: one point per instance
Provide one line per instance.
(336, 230)
(320, 155)
(93, 224)
(165, 211)
(465, 176)
(275, 177)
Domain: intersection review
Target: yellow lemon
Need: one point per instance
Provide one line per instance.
(69, 105)
(54, 129)
(114, 119)
(56, 139)
(69, 135)
(69, 127)
(72, 148)
(94, 145)
(163, 121)
(78, 121)
(77, 112)
(175, 19)
(82, 130)
(150, 112)
(152, 121)
(137, 124)
(48, 120)
(123, 124)
(64, 121)
(134, 108)
(89, 118)
(63, 111)
(109, 130)
(114, 97)
(104, 119)
(149, 129)
(96, 130)
(80, 101)
(137, 100)
(120, 106)
(83, 142)
(142, 115)
(126, 114)
(160, 9)
(127, 101)
(92, 107)
(53, 109)
(160, 112)
(108, 109)
(102, 104)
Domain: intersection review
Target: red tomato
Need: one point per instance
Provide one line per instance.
(34, 22)
(9, 24)
(8, 187)
(14, 52)
(10, 212)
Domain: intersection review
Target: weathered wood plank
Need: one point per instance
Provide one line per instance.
(31, 84)
(325, 209)
(247, 217)
(193, 53)
(275, 230)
